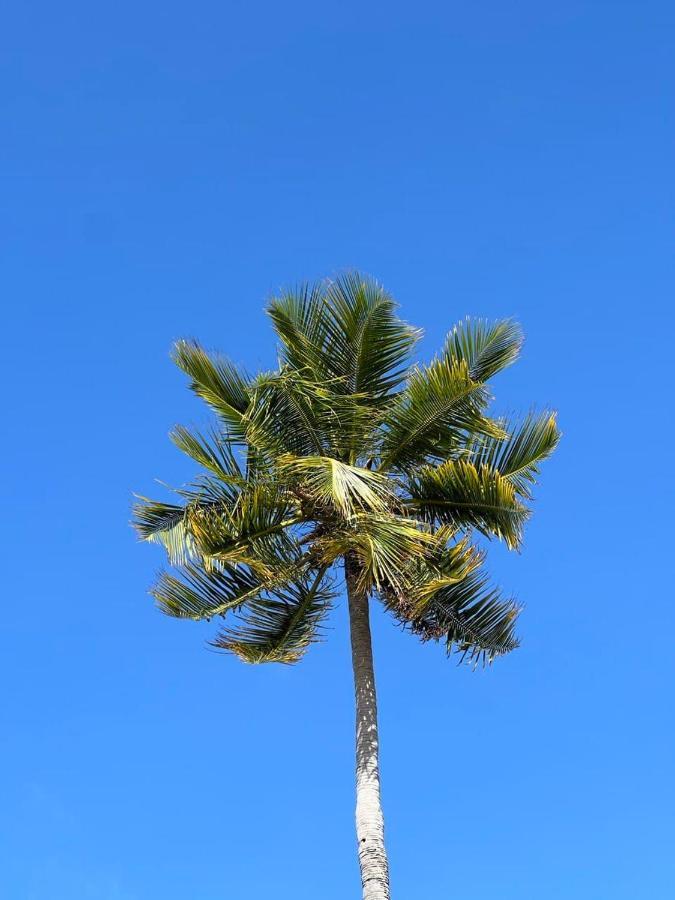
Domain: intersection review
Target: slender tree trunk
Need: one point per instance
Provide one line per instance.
(369, 820)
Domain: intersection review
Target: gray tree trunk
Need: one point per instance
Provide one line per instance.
(369, 819)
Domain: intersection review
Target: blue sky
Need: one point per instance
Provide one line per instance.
(164, 169)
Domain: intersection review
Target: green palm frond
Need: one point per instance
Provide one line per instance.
(214, 453)
(423, 575)
(199, 593)
(345, 332)
(153, 516)
(292, 413)
(217, 381)
(485, 347)
(332, 484)
(472, 618)
(517, 457)
(346, 337)
(299, 319)
(446, 596)
(459, 494)
(283, 415)
(351, 423)
(438, 406)
(279, 626)
(238, 532)
(369, 345)
(381, 544)
(164, 524)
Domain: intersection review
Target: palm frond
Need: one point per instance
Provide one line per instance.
(164, 524)
(292, 413)
(332, 484)
(438, 406)
(517, 457)
(152, 516)
(199, 593)
(459, 494)
(217, 381)
(485, 347)
(299, 319)
(381, 544)
(344, 335)
(249, 523)
(346, 332)
(241, 531)
(368, 345)
(213, 453)
(351, 424)
(279, 626)
(446, 596)
(445, 561)
(282, 417)
(206, 490)
(472, 618)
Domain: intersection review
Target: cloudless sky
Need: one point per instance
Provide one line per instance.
(165, 168)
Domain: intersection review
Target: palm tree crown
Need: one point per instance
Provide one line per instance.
(348, 452)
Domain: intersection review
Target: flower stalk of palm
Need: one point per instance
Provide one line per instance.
(348, 459)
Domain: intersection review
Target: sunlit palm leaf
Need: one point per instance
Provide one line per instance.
(213, 453)
(231, 532)
(381, 544)
(153, 516)
(332, 484)
(369, 345)
(423, 575)
(283, 415)
(517, 457)
(439, 405)
(346, 332)
(299, 319)
(459, 494)
(485, 347)
(164, 524)
(217, 381)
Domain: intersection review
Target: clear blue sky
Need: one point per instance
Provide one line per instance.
(166, 167)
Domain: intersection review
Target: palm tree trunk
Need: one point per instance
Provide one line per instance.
(369, 819)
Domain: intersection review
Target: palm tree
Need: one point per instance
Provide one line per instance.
(348, 458)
